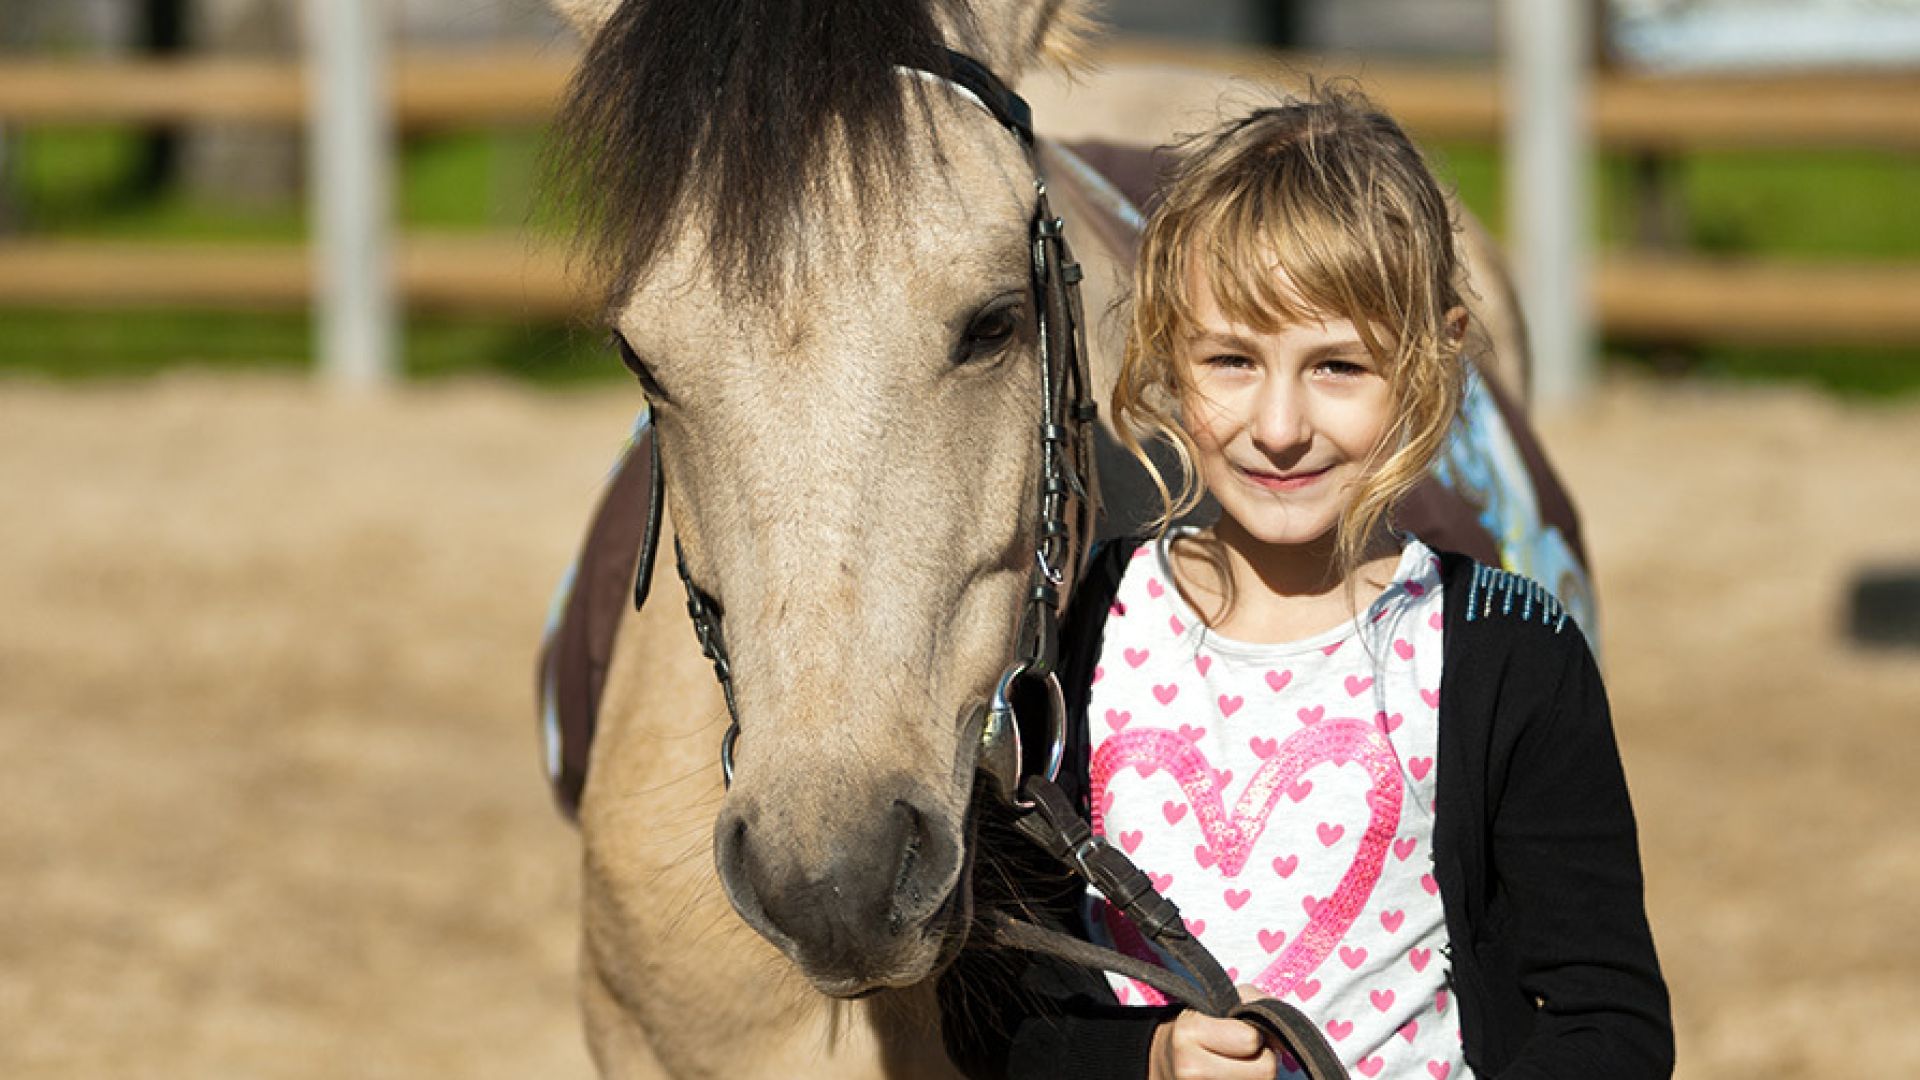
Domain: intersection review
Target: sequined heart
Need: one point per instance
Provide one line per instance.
(1230, 836)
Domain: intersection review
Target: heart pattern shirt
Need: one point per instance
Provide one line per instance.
(1283, 797)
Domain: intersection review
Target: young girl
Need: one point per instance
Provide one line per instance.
(1379, 781)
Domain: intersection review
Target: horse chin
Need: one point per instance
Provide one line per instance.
(933, 946)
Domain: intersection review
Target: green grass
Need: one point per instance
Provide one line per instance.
(1857, 206)
(1841, 205)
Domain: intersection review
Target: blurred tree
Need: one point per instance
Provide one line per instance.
(1283, 23)
(162, 33)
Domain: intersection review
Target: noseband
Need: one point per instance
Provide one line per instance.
(1065, 512)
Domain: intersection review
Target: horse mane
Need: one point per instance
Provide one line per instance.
(727, 111)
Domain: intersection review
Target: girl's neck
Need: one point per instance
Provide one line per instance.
(1250, 590)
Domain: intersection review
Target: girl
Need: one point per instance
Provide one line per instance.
(1379, 780)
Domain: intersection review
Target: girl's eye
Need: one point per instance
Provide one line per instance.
(1228, 362)
(648, 384)
(1343, 368)
(992, 328)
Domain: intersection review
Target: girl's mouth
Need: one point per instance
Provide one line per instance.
(1291, 481)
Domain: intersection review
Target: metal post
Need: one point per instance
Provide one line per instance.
(350, 169)
(1547, 51)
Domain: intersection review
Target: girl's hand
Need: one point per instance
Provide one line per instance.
(1195, 1046)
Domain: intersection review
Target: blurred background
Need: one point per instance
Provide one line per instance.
(271, 597)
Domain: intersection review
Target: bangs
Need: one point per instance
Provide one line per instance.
(1300, 241)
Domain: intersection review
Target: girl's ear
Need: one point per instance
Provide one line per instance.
(1455, 321)
(585, 16)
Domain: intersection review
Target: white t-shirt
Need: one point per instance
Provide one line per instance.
(1283, 797)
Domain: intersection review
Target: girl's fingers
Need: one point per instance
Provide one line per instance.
(1194, 1046)
(1226, 1038)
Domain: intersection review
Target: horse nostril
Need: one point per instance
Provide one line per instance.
(909, 891)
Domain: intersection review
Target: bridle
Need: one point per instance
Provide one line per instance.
(1043, 812)
(1065, 511)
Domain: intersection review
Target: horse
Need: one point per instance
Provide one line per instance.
(817, 247)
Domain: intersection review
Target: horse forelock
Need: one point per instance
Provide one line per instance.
(738, 115)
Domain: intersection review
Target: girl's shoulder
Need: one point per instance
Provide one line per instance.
(1493, 615)
(1490, 594)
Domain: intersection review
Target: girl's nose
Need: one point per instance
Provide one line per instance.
(1279, 422)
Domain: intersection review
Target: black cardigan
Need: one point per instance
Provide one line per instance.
(1551, 959)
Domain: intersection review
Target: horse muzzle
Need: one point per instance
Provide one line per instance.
(867, 900)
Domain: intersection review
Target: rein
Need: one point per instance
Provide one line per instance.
(1043, 812)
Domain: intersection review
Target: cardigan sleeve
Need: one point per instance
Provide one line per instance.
(1006, 1017)
(1565, 856)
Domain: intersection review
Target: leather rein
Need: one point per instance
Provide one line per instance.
(1022, 776)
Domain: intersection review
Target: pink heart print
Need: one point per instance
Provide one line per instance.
(1230, 836)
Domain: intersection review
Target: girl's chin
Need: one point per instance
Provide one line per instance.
(1290, 530)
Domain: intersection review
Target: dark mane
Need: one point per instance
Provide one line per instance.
(726, 109)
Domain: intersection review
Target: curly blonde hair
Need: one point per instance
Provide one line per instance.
(1327, 190)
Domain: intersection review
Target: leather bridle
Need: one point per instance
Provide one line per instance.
(1065, 511)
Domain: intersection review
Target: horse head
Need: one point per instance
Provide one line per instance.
(820, 273)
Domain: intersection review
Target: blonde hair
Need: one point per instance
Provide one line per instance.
(1329, 191)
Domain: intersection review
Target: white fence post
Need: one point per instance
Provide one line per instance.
(350, 176)
(1547, 52)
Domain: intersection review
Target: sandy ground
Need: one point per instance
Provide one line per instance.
(272, 805)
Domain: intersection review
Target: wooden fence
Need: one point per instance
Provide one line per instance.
(1646, 295)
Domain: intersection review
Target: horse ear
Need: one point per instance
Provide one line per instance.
(586, 16)
(1020, 34)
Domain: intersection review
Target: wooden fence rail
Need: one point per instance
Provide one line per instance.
(493, 88)
(1646, 296)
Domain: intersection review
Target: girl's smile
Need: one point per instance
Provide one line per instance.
(1292, 481)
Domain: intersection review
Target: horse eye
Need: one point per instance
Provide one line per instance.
(991, 329)
(648, 384)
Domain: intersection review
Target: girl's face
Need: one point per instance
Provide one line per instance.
(1284, 421)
